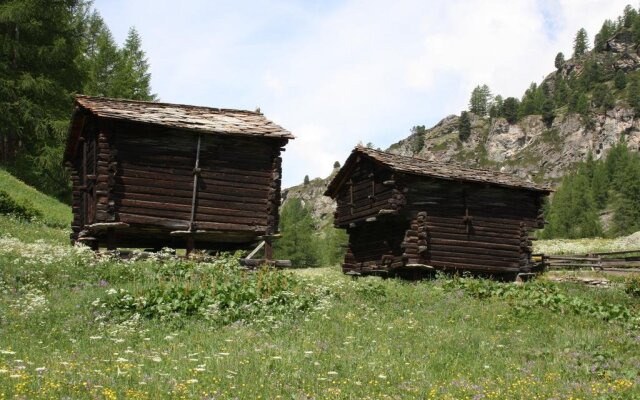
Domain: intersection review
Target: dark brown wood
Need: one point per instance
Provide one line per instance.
(253, 263)
(399, 215)
(166, 176)
(268, 249)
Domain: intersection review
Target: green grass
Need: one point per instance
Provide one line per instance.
(54, 212)
(30, 232)
(365, 338)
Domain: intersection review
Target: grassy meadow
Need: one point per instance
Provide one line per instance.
(73, 325)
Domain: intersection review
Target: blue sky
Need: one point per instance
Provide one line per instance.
(335, 73)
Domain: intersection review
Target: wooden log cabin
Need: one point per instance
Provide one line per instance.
(409, 216)
(153, 175)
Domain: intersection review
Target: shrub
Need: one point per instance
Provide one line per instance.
(9, 206)
(632, 286)
(220, 292)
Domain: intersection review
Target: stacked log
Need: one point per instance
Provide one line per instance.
(76, 204)
(106, 179)
(398, 198)
(415, 240)
(350, 263)
(273, 201)
(525, 248)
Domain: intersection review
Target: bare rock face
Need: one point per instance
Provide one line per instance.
(506, 140)
(529, 148)
(312, 195)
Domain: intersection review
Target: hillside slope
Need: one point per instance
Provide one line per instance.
(54, 213)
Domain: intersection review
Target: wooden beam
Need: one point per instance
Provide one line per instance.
(254, 251)
(105, 226)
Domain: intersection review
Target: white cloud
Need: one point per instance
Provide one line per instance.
(337, 73)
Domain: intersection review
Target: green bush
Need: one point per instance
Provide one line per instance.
(632, 286)
(9, 206)
(220, 292)
(545, 295)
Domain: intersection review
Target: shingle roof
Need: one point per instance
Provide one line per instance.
(205, 119)
(433, 169)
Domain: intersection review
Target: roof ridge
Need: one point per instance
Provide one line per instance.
(494, 176)
(159, 103)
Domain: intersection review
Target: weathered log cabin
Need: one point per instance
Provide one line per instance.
(153, 175)
(407, 216)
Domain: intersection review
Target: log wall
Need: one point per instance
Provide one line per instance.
(364, 195)
(144, 179)
(448, 225)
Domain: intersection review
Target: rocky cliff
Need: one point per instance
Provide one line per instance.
(312, 195)
(529, 148)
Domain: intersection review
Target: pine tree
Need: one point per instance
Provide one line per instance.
(635, 31)
(616, 161)
(592, 74)
(333, 244)
(626, 217)
(418, 133)
(306, 180)
(600, 185)
(630, 16)
(480, 101)
(39, 46)
(602, 96)
(298, 242)
(548, 112)
(336, 164)
(464, 126)
(607, 30)
(620, 79)
(559, 61)
(582, 104)
(511, 109)
(532, 101)
(101, 58)
(572, 213)
(580, 43)
(561, 92)
(497, 106)
(132, 79)
(633, 93)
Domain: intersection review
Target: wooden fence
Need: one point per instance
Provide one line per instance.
(623, 261)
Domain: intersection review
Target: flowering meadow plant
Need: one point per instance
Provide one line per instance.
(77, 325)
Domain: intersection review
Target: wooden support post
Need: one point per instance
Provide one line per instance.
(268, 249)
(111, 239)
(191, 244)
(93, 245)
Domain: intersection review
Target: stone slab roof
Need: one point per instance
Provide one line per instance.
(179, 116)
(433, 169)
